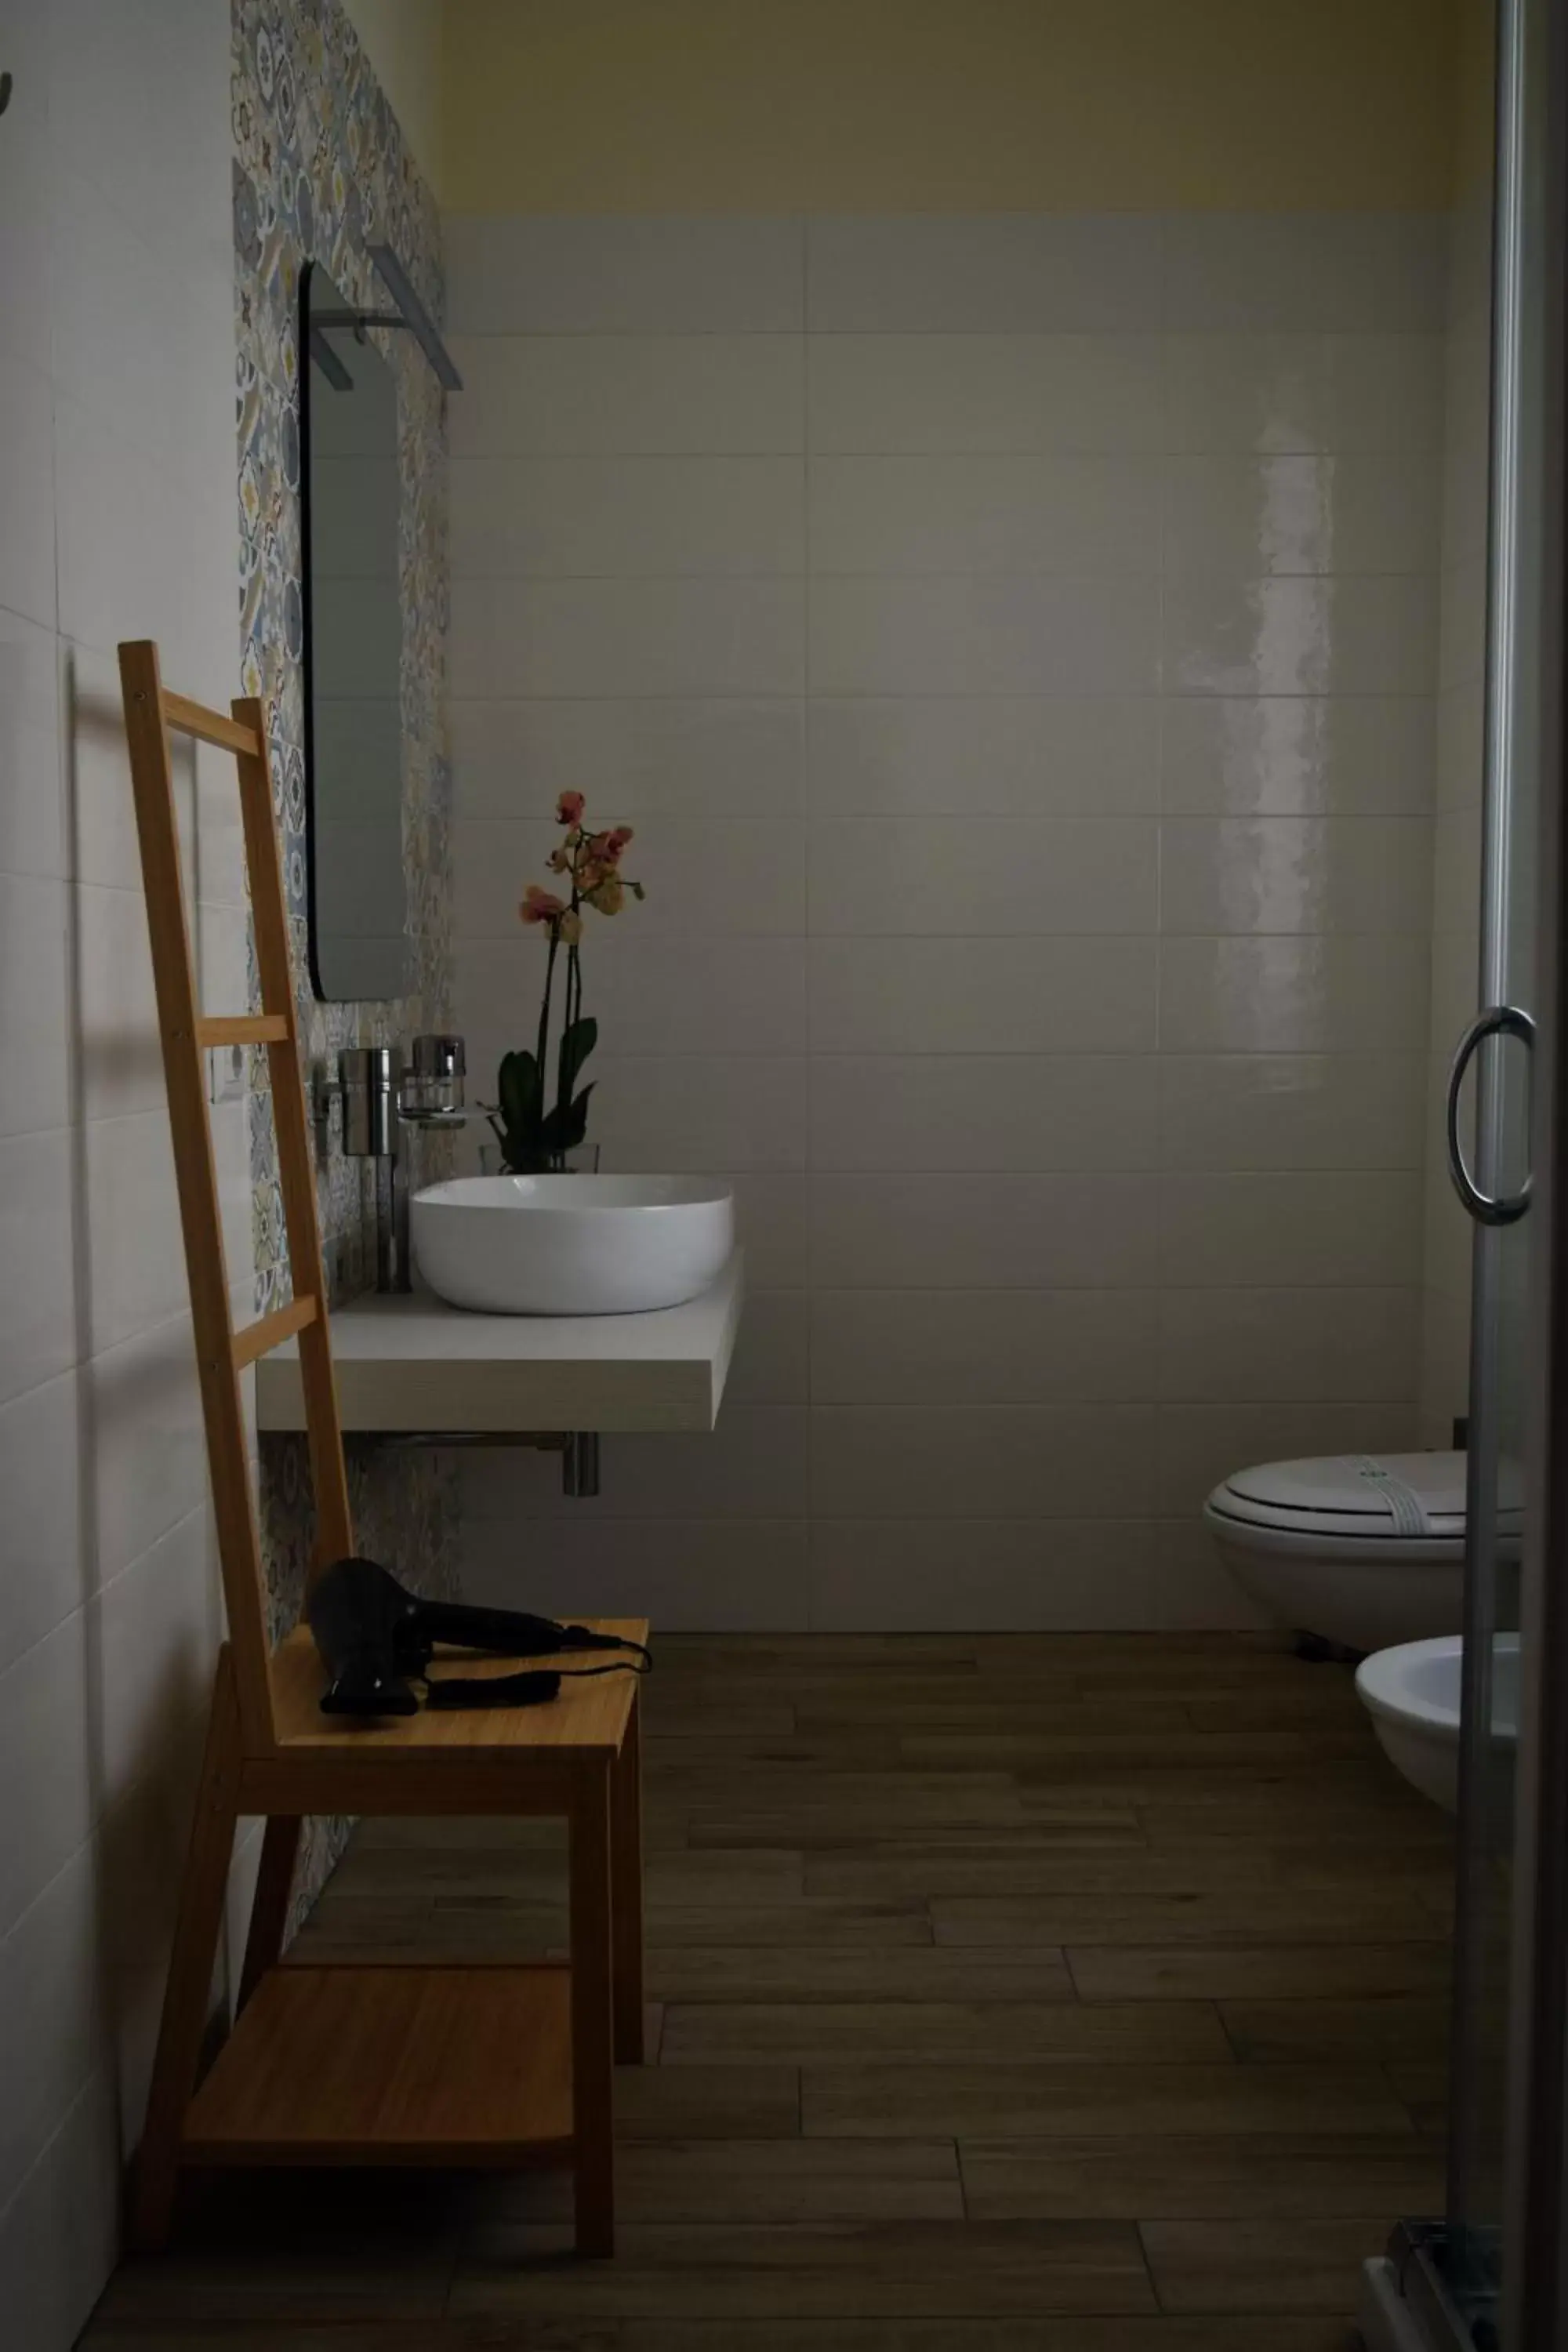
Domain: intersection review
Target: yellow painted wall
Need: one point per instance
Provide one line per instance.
(946, 105)
(403, 40)
(1474, 80)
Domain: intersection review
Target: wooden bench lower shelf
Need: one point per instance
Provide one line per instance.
(392, 2065)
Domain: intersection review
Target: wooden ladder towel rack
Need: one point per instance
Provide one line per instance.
(333, 2065)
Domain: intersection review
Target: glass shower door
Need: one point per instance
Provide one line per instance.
(1495, 2050)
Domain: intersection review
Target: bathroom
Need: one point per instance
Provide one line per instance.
(998, 499)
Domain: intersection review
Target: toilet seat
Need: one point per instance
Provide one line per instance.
(1366, 1550)
(1348, 1506)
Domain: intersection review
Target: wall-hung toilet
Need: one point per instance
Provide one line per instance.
(1364, 1550)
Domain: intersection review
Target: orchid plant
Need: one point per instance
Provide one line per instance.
(534, 1131)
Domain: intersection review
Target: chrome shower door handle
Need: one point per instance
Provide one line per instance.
(1487, 1208)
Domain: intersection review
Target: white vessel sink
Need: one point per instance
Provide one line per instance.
(572, 1244)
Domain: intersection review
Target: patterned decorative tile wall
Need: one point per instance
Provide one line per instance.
(321, 170)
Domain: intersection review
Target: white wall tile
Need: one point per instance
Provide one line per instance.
(752, 1465)
(1258, 1345)
(1455, 974)
(1303, 514)
(1192, 1570)
(141, 1415)
(52, 2015)
(1282, 995)
(1012, 1347)
(120, 1058)
(1046, 875)
(974, 756)
(25, 173)
(1281, 392)
(1291, 1110)
(1456, 876)
(893, 1231)
(27, 493)
(1287, 1229)
(973, 273)
(1067, 1461)
(1348, 273)
(32, 818)
(770, 1223)
(690, 1576)
(1284, 874)
(99, 806)
(651, 996)
(627, 637)
(542, 518)
(1056, 1575)
(746, 875)
(985, 1111)
(984, 635)
(146, 98)
(677, 395)
(1460, 731)
(133, 1257)
(58, 2236)
(712, 273)
(770, 1365)
(1109, 758)
(35, 1036)
(1445, 1363)
(1364, 755)
(996, 996)
(715, 757)
(700, 1111)
(1350, 635)
(118, 457)
(47, 1748)
(965, 513)
(39, 1178)
(115, 293)
(159, 1626)
(112, 501)
(41, 1477)
(1009, 394)
(1461, 635)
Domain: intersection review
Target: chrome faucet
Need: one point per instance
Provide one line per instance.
(381, 1096)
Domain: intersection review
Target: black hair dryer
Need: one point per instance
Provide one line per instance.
(377, 1639)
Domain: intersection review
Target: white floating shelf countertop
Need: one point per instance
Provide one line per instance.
(414, 1364)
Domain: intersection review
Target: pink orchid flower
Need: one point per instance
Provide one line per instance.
(603, 849)
(569, 808)
(540, 905)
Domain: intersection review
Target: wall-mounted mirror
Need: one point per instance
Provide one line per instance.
(354, 647)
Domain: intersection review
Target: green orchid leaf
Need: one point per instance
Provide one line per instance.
(576, 1043)
(577, 1120)
(517, 1083)
(566, 1127)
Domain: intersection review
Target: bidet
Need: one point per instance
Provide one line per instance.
(1413, 1695)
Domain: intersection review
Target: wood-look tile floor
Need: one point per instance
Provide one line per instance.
(1043, 1994)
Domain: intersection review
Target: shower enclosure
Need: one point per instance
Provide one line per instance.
(1492, 2273)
